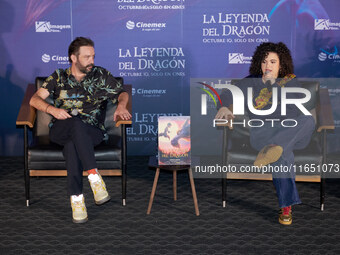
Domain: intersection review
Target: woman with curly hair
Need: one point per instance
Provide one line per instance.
(271, 70)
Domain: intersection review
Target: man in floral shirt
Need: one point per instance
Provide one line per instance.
(80, 93)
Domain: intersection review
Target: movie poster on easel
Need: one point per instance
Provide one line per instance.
(174, 145)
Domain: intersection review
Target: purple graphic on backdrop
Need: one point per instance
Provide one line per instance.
(37, 9)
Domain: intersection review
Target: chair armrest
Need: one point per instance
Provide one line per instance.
(324, 111)
(27, 113)
(128, 89)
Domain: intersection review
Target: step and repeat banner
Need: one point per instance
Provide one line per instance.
(157, 46)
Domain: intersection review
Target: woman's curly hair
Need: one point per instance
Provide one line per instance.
(262, 51)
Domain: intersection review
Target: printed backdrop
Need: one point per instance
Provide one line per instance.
(157, 46)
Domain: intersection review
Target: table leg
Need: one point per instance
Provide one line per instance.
(193, 191)
(175, 184)
(153, 191)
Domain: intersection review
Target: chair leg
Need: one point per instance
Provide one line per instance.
(224, 162)
(124, 190)
(224, 190)
(26, 170)
(124, 185)
(27, 187)
(174, 184)
(124, 159)
(323, 179)
(322, 193)
(193, 190)
(154, 186)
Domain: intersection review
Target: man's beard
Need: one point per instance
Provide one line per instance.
(84, 69)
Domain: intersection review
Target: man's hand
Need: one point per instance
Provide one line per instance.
(60, 114)
(38, 102)
(224, 113)
(121, 112)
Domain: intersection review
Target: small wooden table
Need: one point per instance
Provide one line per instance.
(153, 163)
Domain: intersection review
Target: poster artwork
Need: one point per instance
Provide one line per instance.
(174, 140)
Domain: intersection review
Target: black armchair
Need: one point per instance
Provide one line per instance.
(44, 158)
(241, 152)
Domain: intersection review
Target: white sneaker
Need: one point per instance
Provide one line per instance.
(79, 212)
(99, 189)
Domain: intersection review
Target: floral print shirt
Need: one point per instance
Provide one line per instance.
(86, 98)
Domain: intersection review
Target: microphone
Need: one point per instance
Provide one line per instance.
(74, 112)
(268, 86)
(268, 83)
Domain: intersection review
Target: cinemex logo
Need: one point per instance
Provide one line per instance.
(145, 26)
(326, 55)
(325, 24)
(45, 26)
(238, 58)
(46, 58)
(148, 92)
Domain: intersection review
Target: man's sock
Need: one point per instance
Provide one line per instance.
(92, 171)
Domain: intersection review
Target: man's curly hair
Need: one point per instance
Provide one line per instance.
(262, 51)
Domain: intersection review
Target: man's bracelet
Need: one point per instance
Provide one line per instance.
(47, 108)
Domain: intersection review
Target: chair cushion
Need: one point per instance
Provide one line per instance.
(241, 153)
(44, 155)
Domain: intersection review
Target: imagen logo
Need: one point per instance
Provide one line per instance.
(325, 24)
(238, 58)
(42, 26)
(45, 26)
(321, 24)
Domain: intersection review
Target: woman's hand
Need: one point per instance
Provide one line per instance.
(224, 113)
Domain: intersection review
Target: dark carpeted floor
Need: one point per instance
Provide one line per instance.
(248, 225)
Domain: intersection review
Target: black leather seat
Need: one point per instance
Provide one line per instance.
(44, 158)
(240, 152)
